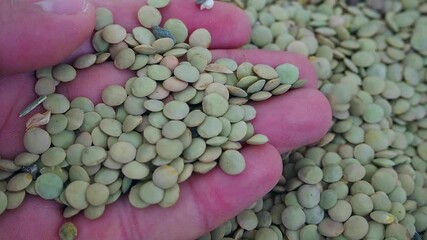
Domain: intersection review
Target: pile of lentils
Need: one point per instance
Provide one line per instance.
(366, 179)
(180, 114)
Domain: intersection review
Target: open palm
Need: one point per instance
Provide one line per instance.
(32, 38)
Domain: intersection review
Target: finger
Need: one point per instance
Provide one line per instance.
(89, 84)
(206, 201)
(228, 24)
(36, 34)
(272, 58)
(299, 117)
(114, 76)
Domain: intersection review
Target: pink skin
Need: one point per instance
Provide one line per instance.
(295, 119)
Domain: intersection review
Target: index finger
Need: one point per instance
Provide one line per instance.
(228, 25)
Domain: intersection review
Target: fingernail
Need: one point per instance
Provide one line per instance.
(63, 7)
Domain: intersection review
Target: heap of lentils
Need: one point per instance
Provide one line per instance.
(180, 114)
(366, 179)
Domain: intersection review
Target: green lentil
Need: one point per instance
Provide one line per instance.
(68, 231)
(48, 186)
(114, 95)
(97, 194)
(169, 148)
(149, 16)
(37, 140)
(293, 217)
(176, 110)
(135, 170)
(186, 73)
(177, 28)
(122, 152)
(45, 86)
(64, 72)
(308, 196)
(232, 162)
(150, 193)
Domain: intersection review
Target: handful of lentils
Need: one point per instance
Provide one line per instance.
(180, 114)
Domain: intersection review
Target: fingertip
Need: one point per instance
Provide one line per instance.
(224, 196)
(41, 34)
(264, 165)
(297, 118)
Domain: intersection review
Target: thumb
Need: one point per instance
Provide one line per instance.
(37, 33)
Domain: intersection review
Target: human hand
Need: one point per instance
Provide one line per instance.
(36, 38)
